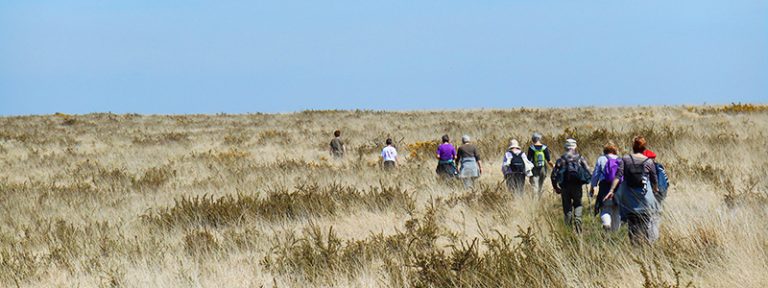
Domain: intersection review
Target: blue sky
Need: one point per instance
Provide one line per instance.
(282, 56)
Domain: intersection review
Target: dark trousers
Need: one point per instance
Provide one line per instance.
(515, 183)
(389, 165)
(571, 195)
(639, 226)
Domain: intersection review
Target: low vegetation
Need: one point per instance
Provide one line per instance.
(256, 201)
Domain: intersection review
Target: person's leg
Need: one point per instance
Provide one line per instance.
(510, 182)
(577, 193)
(654, 221)
(540, 181)
(615, 217)
(519, 184)
(638, 228)
(567, 206)
(606, 218)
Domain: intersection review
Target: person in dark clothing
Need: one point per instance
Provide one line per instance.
(637, 193)
(569, 187)
(337, 149)
(539, 155)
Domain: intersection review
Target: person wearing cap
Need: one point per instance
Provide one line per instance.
(445, 155)
(515, 166)
(539, 155)
(569, 187)
(469, 159)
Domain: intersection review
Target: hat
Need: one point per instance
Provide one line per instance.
(648, 153)
(513, 144)
(465, 139)
(570, 144)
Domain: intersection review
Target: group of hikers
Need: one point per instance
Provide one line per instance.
(630, 188)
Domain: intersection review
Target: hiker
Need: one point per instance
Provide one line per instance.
(446, 167)
(602, 179)
(661, 175)
(539, 155)
(515, 166)
(469, 159)
(389, 156)
(337, 145)
(568, 176)
(636, 193)
(663, 186)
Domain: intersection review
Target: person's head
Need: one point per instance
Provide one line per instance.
(570, 144)
(536, 137)
(389, 141)
(513, 144)
(610, 148)
(337, 133)
(638, 144)
(465, 139)
(446, 139)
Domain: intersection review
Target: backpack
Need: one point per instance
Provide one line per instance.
(634, 172)
(663, 179)
(573, 172)
(610, 169)
(538, 156)
(517, 164)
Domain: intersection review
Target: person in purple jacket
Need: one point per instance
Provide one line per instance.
(446, 153)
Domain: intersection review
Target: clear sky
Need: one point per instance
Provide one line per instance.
(286, 55)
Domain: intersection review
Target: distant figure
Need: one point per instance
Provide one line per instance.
(389, 156)
(568, 177)
(446, 167)
(636, 193)
(539, 154)
(602, 178)
(337, 146)
(515, 166)
(469, 158)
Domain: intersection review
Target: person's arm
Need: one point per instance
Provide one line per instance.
(479, 162)
(397, 159)
(553, 177)
(619, 175)
(595, 176)
(653, 177)
(343, 147)
(382, 155)
(548, 157)
(530, 154)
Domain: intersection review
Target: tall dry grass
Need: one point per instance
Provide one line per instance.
(255, 200)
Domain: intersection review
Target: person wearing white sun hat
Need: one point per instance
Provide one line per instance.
(515, 166)
(568, 178)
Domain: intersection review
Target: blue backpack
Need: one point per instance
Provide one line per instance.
(663, 179)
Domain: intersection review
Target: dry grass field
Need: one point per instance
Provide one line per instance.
(254, 200)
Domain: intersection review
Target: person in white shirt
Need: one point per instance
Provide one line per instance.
(389, 156)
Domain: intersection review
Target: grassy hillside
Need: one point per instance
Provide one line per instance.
(254, 200)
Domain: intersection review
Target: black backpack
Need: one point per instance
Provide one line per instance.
(634, 172)
(574, 172)
(517, 164)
